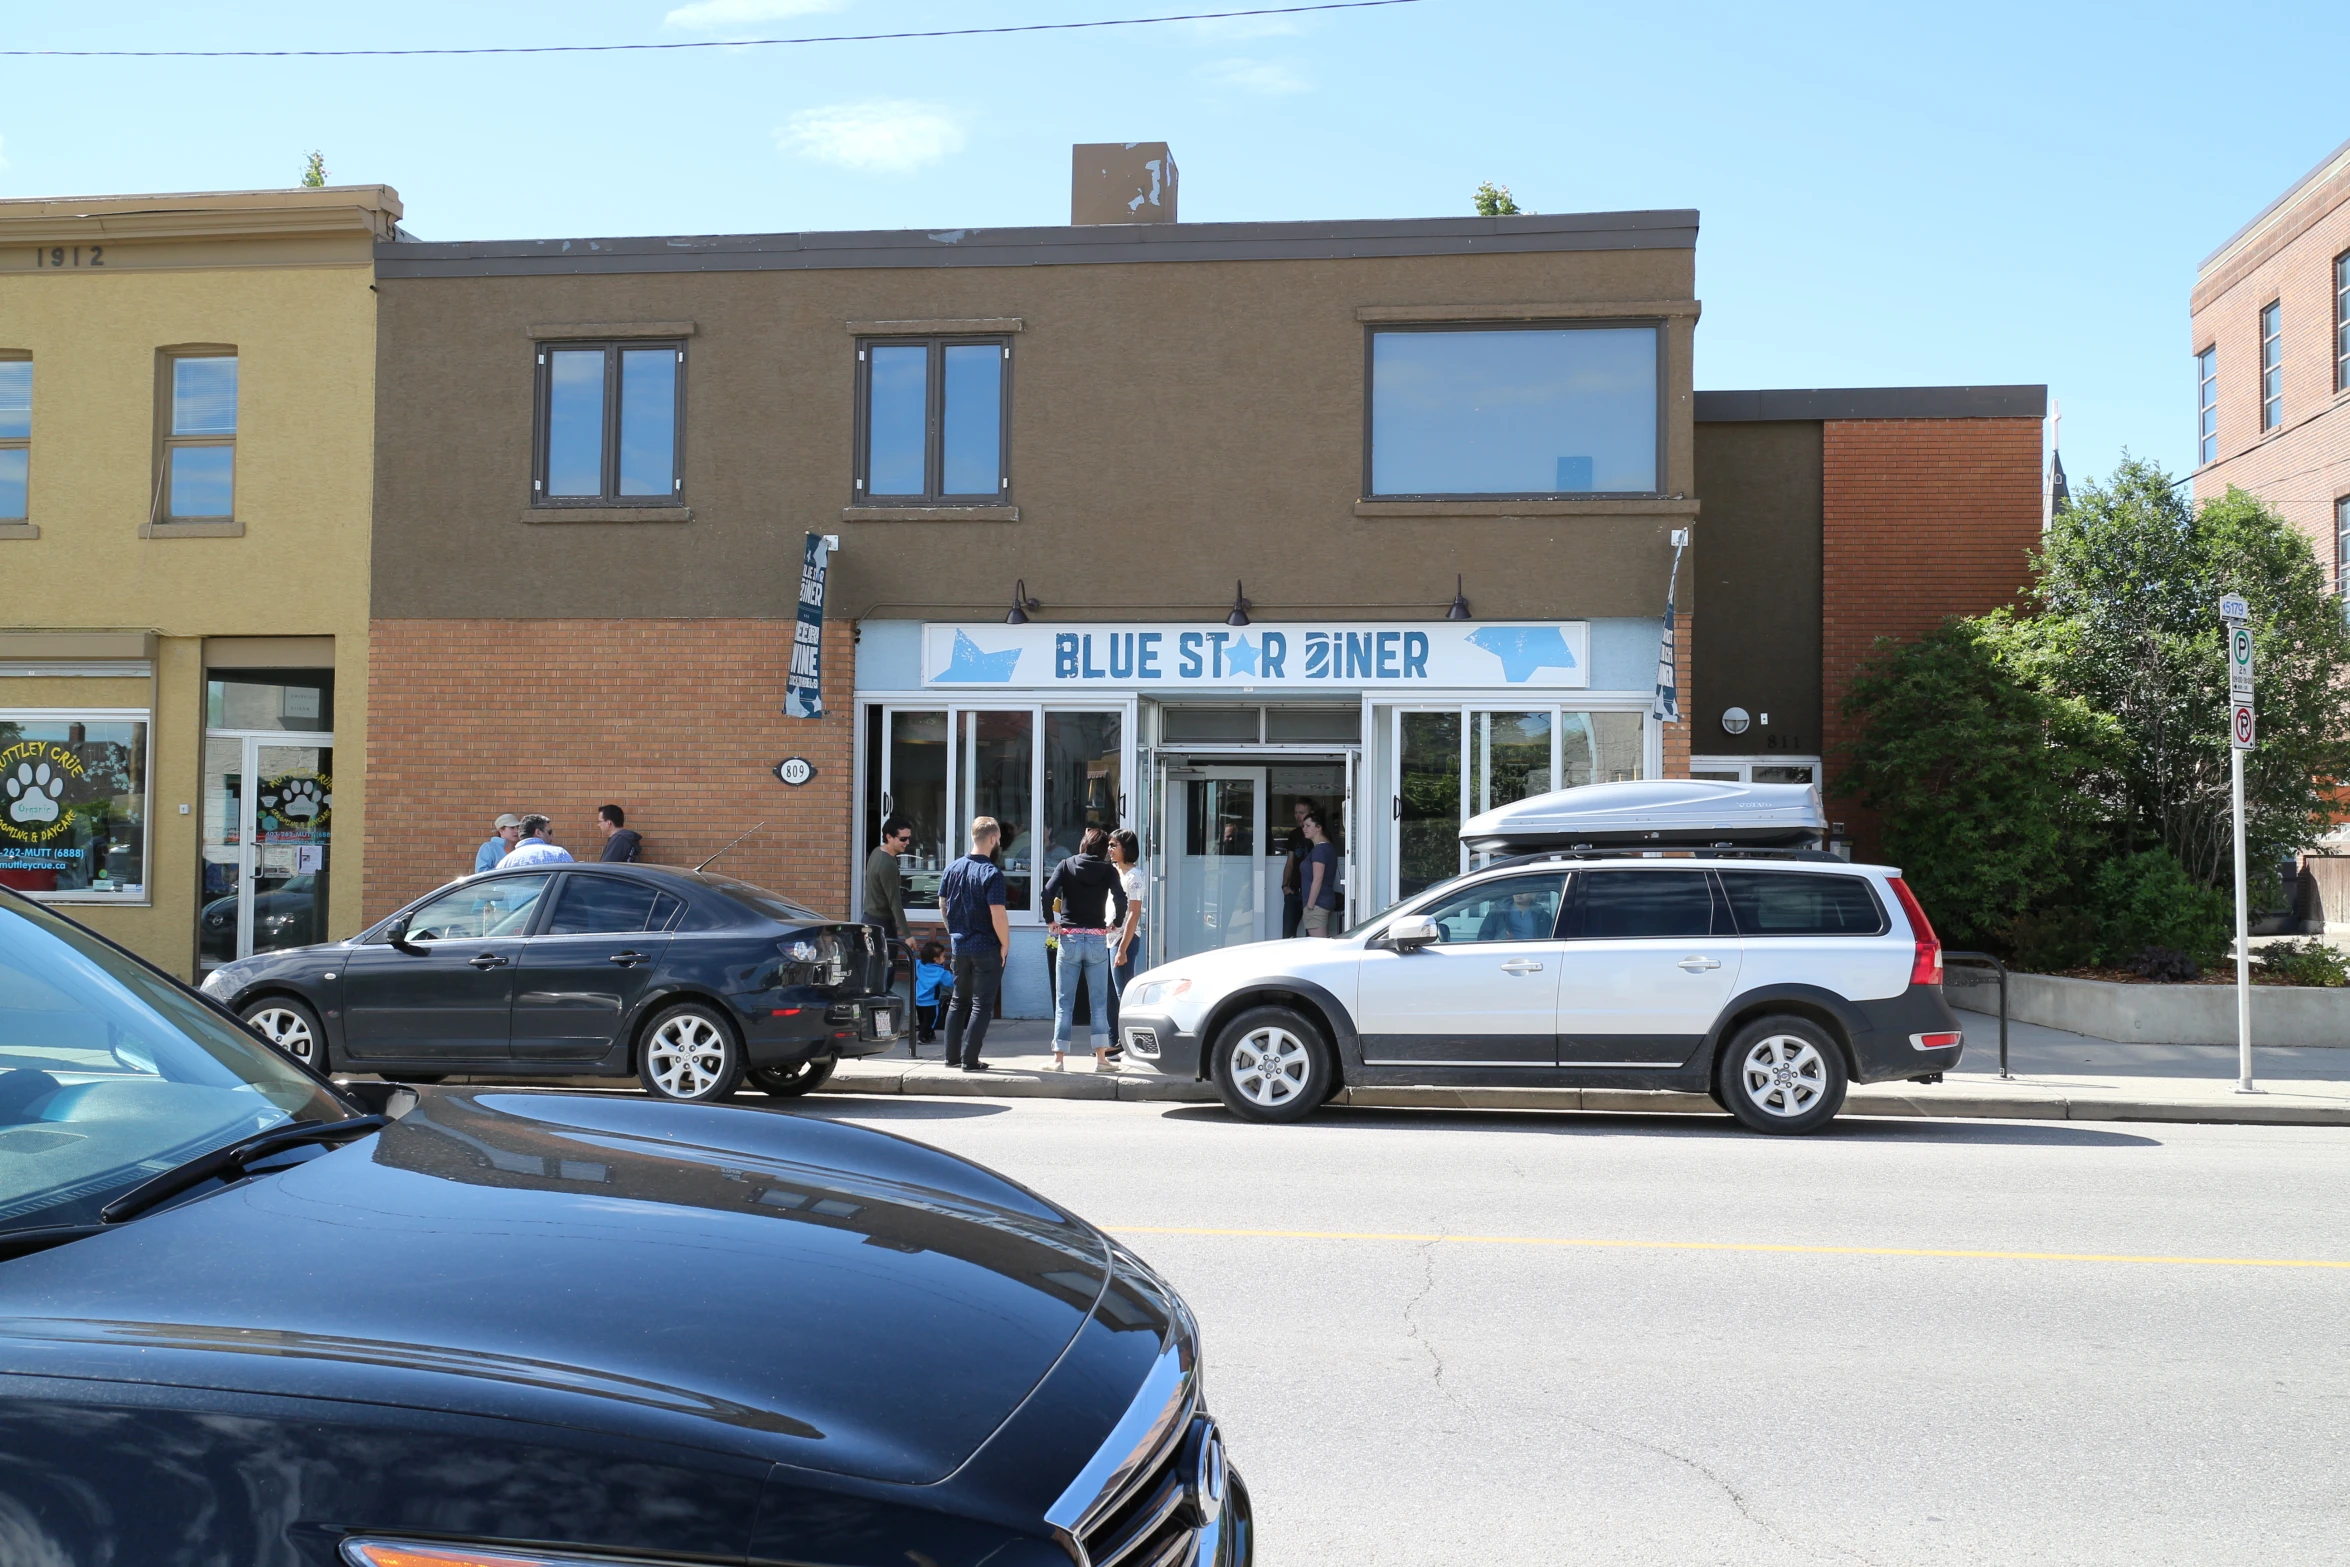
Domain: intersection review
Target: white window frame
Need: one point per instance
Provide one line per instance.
(145, 896)
(2207, 406)
(1744, 766)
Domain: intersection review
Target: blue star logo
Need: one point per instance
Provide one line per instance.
(968, 662)
(1524, 649)
(1240, 657)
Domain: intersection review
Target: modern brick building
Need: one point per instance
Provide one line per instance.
(1165, 525)
(2270, 325)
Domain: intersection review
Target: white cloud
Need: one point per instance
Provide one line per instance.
(713, 15)
(890, 136)
(1257, 76)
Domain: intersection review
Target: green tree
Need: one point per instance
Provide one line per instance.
(2128, 584)
(1976, 774)
(1495, 201)
(314, 171)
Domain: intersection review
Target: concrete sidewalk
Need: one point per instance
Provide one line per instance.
(2058, 1077)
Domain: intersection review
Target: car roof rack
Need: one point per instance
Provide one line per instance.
(1675, 851)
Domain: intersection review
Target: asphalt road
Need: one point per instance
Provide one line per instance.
(1482, 1338)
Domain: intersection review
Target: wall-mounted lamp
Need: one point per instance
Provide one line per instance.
(1240, 607)
(1460, 601)
(1021, 605)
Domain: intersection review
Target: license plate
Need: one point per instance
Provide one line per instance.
(884, 1020)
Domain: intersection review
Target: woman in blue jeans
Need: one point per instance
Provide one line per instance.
(1086, 905)
(1126, 945)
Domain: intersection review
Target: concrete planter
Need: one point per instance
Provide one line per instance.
(2160, 1014)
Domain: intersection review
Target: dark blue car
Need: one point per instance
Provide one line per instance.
(249, 1318)
(693, 983)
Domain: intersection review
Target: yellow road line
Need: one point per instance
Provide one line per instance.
(1751, 1246)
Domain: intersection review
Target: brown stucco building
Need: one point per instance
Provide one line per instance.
(2270, 331)
(1165, 525)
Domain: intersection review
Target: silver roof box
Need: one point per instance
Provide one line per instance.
(1654, 813)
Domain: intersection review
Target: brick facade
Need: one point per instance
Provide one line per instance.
(678, 721)
(1921, 519)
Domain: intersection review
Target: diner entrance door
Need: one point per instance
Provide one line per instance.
(1216, 863)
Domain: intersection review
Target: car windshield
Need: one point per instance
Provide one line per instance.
(773, 904)
(111, 1074)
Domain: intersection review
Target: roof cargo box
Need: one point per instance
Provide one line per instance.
(1651, 814)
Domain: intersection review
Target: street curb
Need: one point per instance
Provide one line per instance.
(941, 1082)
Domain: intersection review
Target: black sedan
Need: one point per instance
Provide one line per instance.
(692, 982)
(248, 1317)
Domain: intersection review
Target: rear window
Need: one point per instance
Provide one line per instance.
(1630, 905)
(772, 904)
(1796, 903)
(596, 905)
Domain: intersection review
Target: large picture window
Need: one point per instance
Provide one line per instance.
(1514, 411)
(16, 436)
(73, 805)
(608, 420)
(1456, 763)
(199, 478)
(930, 420)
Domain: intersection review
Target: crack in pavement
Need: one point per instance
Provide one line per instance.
(1737, 1497)
(1410, 1307)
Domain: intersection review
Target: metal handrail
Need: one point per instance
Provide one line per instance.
(1988, 961)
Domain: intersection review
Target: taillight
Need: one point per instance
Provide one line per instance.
(1926, 969)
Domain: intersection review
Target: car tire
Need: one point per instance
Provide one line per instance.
(690, 1055)
(789, 1082)
(1782, 1075)
(292, 1027)
(1272, 1064)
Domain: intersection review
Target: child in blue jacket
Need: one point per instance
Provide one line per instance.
(934, 986)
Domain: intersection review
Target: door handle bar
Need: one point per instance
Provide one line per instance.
(486, 961)
(628, 959)
(1521, 966)
(1697, 965)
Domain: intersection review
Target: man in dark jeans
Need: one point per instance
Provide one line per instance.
(971, 896)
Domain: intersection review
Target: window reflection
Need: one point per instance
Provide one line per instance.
(896, 419)
(917, 791)
(972, 443)
(1540, 411)
(575, 422)
(998, 757)
(648, 421)
(1082, 783)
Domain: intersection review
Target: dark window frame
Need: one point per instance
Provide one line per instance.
(543, 427)
(2272, 333)
(2207, 405)
(2342, 322)
(1658, 324)
(934, 492)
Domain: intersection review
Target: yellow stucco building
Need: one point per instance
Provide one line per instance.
(187, 413)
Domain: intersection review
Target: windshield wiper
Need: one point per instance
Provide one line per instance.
(229, 1163)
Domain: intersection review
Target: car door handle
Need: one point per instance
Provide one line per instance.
(486, 961)
(629, 959)
(1696, 965)
(1521, 966)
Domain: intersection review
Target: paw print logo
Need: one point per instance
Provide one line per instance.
(301, 800)
(32, 793)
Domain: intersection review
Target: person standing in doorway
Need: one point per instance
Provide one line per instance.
(505, 833)
(1126, 854)
(538, 846)
(620, 844)
(971, 896)
(1320, 876)
(884, 899)
(1293, 855)
(1085, 886)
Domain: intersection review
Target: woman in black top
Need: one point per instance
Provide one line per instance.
(1084, 903)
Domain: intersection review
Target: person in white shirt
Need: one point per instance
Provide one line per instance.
(536, 848)
(1126, 946)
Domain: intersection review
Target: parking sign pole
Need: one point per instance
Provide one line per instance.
(2235, 618)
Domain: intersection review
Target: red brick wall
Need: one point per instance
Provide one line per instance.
(678, 721)
(1921, 519)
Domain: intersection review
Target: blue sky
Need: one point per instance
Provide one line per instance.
(1890, 195)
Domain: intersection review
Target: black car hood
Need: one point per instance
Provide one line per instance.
(777, 1285)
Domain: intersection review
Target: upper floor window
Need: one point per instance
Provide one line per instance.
(2272, 366)
(16, 435)
(2342, 322)
(1514, 410)
(608, 416)
(199, 479)
(930, 419)
(2342, 550)
(2207, 406)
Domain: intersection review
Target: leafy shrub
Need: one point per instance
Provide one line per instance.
(2047, 940)
(2303, 963)
(2165, 966)
(2148, 900)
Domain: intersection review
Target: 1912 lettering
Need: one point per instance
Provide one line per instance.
(70, 256)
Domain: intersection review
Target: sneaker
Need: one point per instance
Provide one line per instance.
(974, 1066)
(1060, 1065)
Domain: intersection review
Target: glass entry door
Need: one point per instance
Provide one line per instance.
(267, 842)
(1217, 867)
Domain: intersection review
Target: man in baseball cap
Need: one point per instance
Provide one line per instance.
(505, 833)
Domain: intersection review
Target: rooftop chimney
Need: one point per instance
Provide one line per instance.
(1122, 182)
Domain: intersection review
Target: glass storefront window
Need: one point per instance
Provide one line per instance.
(1509, 758)
(997, 757)
(915, 787)
(302, 700)
(1084, 784)
(73, 804)
(1428, 795)
(1599, 748)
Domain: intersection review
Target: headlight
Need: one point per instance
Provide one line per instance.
(1159, 990)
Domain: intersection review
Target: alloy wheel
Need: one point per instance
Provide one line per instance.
(686, 1056)
(288, 1030)
(1784, 1074)
(1270, 1066)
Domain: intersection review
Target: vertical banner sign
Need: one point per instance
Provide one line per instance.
(803, 688)
(1667, 708)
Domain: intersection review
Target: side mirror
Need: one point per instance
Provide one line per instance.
(397, 936)
(1413, 930)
